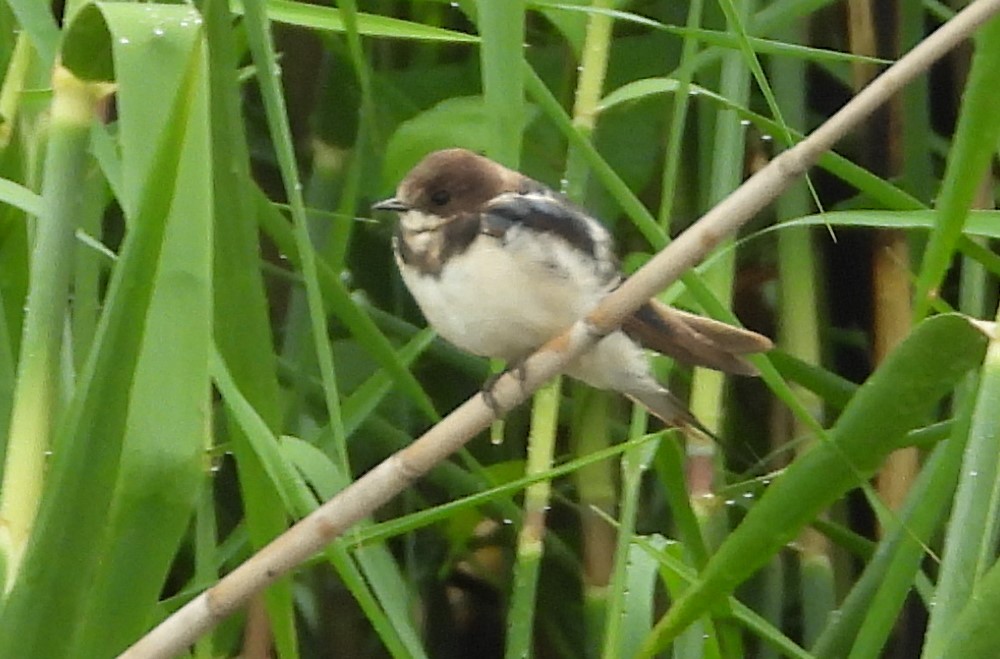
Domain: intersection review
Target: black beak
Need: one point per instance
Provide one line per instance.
(390, 204)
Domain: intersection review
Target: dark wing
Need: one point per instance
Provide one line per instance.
(695, 340)
(544, 212)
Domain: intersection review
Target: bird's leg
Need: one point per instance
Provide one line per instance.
(520, 371)
(488, 397)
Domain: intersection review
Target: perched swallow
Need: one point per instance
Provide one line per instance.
(499, 264)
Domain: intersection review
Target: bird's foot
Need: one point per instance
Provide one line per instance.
(517, 369)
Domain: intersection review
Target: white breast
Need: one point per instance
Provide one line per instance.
(505, 300)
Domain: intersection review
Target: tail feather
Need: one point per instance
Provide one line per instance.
(693, 339)
(669, 409)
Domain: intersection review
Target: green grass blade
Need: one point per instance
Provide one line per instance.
(629, 616)
(973, 147)
(641, 575)
(372, 25)
(975, 632)
(20, 197)
(166, 436)
(985, 223)
(299, 501)
(268, 69)
(875, 187)
(868, 612)
(337, 298)
(893, 401)
(37, 20)
(501, 26)
(970, 540)
(36, 403)
(241, 322)
(363, 400)
(675, 572)
(423, 518)
(77, 500)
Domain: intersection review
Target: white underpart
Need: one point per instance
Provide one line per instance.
(505, 299)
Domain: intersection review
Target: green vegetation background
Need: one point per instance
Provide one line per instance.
(203, 336)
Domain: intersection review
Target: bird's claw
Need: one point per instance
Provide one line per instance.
(518, 370)
(490, 399)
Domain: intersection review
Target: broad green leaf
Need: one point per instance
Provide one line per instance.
(166, 435)
(896, 399)
(93, 431)
(162, 463)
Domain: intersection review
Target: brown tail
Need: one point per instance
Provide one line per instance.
(669, 409)
(694, 339)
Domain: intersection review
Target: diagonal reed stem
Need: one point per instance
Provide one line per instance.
(401, 469)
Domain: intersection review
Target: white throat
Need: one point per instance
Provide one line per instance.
(414, 221)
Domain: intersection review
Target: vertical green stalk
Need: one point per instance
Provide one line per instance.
(799, 333)
(205, 548)
(531, 539)
(36, 394)
(595, 486)
(708, 387)
(546, 405)
(634, 464)
(296, 345)
(333, 184)
(336, 249)
(593, 67)
(725, 175)
(502, 28)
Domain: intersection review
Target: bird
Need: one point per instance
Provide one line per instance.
(499, 264)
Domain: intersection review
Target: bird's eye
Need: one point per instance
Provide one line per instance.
(440, 197)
